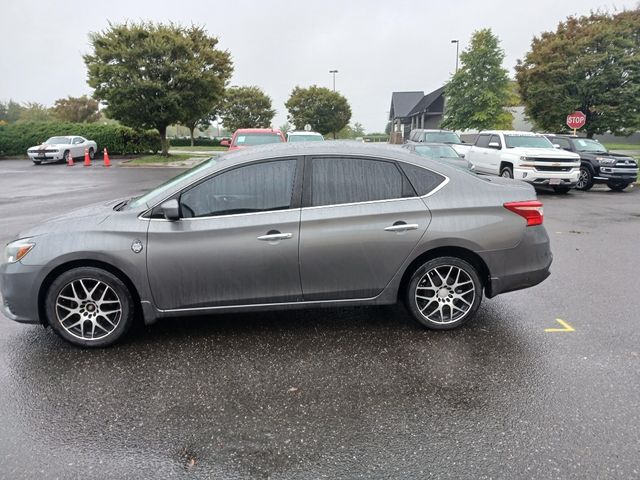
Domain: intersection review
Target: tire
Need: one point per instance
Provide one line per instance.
(89, 307)
(585, 179)
(65, 156)
(425, 288)
(91, 153)
(617, 187)
(561, 190)
(506, 172)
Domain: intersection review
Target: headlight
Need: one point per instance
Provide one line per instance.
(606, 160)
(16, 251)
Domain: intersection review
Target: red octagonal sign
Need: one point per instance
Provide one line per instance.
(576, 120)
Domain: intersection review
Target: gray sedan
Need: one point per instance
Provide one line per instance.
(287, 226)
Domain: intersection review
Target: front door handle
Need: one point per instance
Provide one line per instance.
(274, 237)
(401, 227)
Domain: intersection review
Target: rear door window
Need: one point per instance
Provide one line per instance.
(338, 181)
(483, 141)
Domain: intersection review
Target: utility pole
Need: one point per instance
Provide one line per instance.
(457, 42)
(333, 72)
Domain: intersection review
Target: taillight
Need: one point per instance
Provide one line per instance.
(530, 210)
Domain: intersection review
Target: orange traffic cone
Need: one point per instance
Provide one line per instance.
(107, 162)
(69, 160)
(87, 160)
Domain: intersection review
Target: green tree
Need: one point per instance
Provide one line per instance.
(246, 107)
(76, 109)
(34, 112)
(147, 73)
(325, 110)
(590, 63)
(10, 111)
(479, 92)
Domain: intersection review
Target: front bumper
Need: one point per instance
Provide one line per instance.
(617, 174)
(520, 267)
(19, 290)
(46, 157)
(554, 179)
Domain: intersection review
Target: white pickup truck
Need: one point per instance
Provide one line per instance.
(524, 156)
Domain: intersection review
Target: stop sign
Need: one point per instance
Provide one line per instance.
(576, 120)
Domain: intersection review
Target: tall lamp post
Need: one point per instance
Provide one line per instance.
(457, 42)
(333, 72)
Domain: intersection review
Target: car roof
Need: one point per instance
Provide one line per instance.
(431, 130)
(257, 130)
(429, 144)
(511, 132)
(303, 133)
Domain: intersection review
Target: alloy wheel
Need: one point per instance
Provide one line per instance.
(583, 179)
(445, 294)
(88, 309)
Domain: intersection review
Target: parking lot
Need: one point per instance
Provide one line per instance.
(313, 394)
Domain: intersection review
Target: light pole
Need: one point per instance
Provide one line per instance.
(333, 72)
(457, 42)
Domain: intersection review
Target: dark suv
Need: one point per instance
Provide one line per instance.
(597, 164)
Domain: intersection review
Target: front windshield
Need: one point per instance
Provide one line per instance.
(169, 184)
(588, 145)
(305, 138)
(527, 141)
(58, 140)
(248, 139)
(436, 151)
(441, 137)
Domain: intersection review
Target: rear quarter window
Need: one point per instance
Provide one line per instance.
(424, 181)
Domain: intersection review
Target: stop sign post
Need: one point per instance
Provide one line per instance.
(576, 120)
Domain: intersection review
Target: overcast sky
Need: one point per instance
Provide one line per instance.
(377, 46)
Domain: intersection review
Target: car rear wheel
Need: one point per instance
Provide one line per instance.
(444, 293)
(617, 187)
(89, 307)
(585, 179)
(91, 153)
(506, 172)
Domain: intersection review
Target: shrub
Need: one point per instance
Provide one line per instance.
(16, 138)
(197, 142)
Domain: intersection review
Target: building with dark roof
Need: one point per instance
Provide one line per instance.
(411, 110)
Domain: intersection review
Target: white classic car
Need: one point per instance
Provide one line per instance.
(61, 148)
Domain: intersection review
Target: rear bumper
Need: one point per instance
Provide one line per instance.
(520, 267)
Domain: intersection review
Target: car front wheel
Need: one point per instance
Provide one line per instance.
(585, 179)
(89, 307)
(617, 187)
(444, 293)
(506, 172)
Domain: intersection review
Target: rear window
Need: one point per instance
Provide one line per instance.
(247, 139)
(423, 180)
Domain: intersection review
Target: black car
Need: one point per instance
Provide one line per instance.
(598, 165)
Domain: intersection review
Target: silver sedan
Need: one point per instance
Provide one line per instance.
(287, 226)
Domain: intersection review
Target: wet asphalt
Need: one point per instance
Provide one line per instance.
(338, 393)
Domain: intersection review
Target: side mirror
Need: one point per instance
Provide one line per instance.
(171, 210)
(555, 145)
(225, 143)
(461, 155)
(495, 145)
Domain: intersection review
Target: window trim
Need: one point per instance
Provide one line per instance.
(307, 194)
(296, 192)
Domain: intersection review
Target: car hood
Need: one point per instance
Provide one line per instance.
(44, 146)
(85, 218)
(543, 152)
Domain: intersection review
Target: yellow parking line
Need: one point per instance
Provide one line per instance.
(565, 325)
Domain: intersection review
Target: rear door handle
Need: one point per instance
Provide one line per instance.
(274, 237)
(402, 227)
